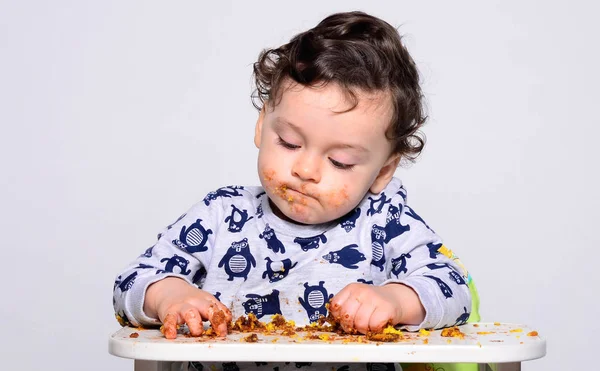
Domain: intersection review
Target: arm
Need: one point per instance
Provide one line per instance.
(418, 259)
(423, 289)
(159, 282)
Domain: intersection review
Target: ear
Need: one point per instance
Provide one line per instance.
(385, 174)
(258, 128)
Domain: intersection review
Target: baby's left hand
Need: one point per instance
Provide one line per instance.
(361, 307)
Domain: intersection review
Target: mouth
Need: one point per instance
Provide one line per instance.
(291, 194)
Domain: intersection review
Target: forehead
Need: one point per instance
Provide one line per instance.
(329, 106)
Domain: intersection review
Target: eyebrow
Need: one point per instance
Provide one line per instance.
(281, 121)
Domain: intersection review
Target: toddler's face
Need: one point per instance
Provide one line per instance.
(316, 163)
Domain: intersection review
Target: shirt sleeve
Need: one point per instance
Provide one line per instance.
(183, 250)
(416, 257)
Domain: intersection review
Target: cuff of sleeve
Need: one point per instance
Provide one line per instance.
(429, 299)
(134, 302)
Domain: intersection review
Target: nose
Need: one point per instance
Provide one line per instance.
(307, 168)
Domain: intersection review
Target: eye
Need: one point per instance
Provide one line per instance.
(339, 165)
(287, 145)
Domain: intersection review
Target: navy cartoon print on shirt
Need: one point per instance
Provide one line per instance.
(229, 191)
(434, 266)
(307, 243)
(237, 219)
(377, 204)
(259, 211)
(453, 274)
(277, 270)
(199, 276)
(148, 252)
(446, 290)
(402, 193)
(456, 277)
(463, 318)
(393, 227)
(416, 216)
(399, 264)
(273, 242)
(126, 283)
(434, 249)
(348, 221)
(360, 280)
(262, 305)
(194, 238)
(238, 260)
(377, 243)
(143, 266)
(315, 298)
(348, 256)
(175, 261)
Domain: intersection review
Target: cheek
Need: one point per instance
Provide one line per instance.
(338, 197)
(270, 158)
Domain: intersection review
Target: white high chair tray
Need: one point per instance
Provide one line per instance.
(494, 343)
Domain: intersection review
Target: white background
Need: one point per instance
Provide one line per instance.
(117, 116)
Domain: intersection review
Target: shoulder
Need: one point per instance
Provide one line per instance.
(388, 211)
(232, 194)
(393, 196)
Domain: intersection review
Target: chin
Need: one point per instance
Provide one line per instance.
(292, 213)
(305, 218)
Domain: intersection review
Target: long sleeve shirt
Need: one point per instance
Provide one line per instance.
(233, 246)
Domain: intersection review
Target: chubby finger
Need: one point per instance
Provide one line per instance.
(348, 313)
(337, 302)
(363, 316)
(226, 311)
(169, 327)
(217, 318)
(379, 319)
(192, 317)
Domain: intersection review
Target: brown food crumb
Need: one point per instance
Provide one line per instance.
(250, 323)
(383, 337)
(218, 318)
(252, 338)
(278, 320)
(279, 325)
(453, 332)
(288, 332)
(134, 335)
(210, 332)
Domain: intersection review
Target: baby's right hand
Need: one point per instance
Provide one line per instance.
(175, 302)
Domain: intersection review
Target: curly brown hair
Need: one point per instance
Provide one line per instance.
(360, 53)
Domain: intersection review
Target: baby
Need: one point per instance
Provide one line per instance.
(340, 108)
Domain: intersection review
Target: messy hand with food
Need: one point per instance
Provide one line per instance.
(362, 308)
(175, 302)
